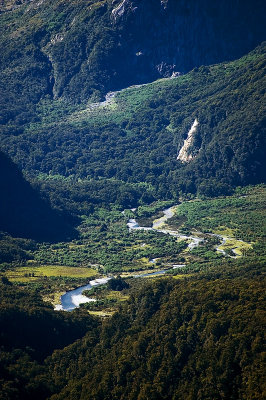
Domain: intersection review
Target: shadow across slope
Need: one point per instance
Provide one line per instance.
(22, 211)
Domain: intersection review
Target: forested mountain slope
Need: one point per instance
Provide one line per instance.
(79, 48)
(197, 334)
(31, 331)
(191, 127)
(201, 340)
(58, 58)
(132, 142)
(23, 213)
(198, 338)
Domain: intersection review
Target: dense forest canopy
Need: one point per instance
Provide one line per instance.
(132, 136)
(198, 338)
(126, 150)
(74, 49)
(62, 57)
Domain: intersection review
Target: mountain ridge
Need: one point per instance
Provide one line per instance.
(135, 137)
(74, 49)
(194, 329)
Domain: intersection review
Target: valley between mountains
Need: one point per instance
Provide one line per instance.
(112, 243)
(132, 200)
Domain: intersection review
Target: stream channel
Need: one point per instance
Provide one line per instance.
(73, 298)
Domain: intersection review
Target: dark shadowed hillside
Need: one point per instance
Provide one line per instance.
(23, 213)
(59, 58)
(30, 331)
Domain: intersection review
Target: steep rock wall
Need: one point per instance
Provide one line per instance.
(80, 48)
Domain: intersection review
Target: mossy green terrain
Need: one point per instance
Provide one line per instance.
(237, 246)
(241, 216)
(51, 281)
(27, 274)
(107, 300)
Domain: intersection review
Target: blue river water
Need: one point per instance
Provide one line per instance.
(73, 298)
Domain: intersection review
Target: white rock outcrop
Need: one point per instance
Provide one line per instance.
(183, 154)
(120, 10)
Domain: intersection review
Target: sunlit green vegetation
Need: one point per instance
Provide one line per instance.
(196, 332)
(106, 246)
(241, 216)
(126, 151)
(107, 300)
(26, 274)
(238, 247)
(111, 248)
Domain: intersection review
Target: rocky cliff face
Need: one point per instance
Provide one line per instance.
(77, 49)
(184, 154)
(163, 37)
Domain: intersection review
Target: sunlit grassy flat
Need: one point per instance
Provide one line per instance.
(27, 274)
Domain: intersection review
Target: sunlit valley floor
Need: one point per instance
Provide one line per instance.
(227, 229)
(132, 200)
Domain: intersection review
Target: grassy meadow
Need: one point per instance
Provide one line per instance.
(29, 274)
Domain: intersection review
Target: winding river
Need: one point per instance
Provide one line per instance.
(73, 298)
(158, 225)
(194, 240)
